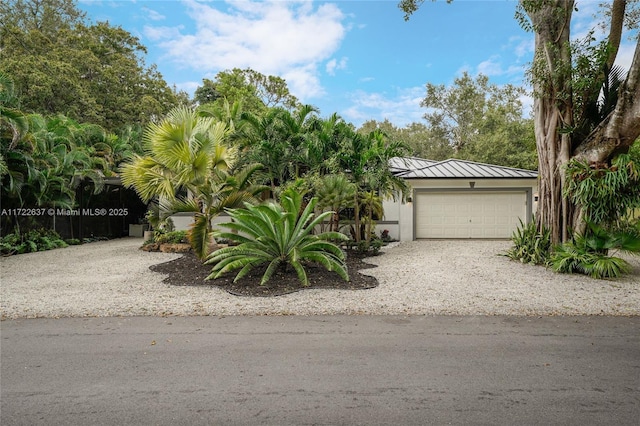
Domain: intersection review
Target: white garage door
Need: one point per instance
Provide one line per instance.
(469, 214)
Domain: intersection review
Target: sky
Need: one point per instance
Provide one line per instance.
(357, 58)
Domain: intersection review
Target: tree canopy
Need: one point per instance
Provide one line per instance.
(92, 72)
(255, 91)
(471, 119)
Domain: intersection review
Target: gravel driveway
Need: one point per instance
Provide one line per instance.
(433, 277)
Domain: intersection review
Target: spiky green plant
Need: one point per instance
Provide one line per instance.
(279, 235)
(529, 245)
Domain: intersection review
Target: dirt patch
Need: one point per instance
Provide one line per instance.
(189, 271)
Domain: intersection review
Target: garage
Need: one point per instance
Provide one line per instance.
(464, 214)
(459, 199)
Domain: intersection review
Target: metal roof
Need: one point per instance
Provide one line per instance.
(405, 164)
(417, 168)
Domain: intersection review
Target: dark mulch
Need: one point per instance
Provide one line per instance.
(189, 271)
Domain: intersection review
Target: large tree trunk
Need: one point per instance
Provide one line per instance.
(553, 111)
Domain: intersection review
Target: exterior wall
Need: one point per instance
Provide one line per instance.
(399, 217)
(183, 221)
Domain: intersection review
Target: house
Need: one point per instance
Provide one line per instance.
(459, 199)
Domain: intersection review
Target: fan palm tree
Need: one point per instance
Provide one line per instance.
(187, 166)
(181, 152)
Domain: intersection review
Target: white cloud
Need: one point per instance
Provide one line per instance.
(522, 47)
(287, 39)
(490, 67)
(401, 108)
(334, 65)
(153, 15)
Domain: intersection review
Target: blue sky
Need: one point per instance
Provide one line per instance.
(358, 58)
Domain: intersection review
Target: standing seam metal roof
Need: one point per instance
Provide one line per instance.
(417, 168)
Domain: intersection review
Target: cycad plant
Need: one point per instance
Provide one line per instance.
(279, 235)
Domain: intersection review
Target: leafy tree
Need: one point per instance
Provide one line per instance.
(481, 121)
(421, 141)
(257, 92)
(565, 84)
(279, 235)
(89, 72)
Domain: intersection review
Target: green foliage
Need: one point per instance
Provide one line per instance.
(172, 237)
(530, 245)
(576, 258)
(372, 246)
(278, 235)
(255, 91)
(32, 241)
(589, 253)
(90, 72)
(334, 193)
(606, 194)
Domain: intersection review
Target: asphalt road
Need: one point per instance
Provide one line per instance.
(339, 370)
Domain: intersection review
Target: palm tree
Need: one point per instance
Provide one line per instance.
(187, 166)
(181, 152)
(379, 178)
(13, 123)
(335, 192)
(223, 191)
(366, 158)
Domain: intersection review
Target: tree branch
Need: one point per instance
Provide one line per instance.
(615, 32)
(621, 128)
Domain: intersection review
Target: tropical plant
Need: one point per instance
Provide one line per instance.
(172, 237)
(186, 168)
(180, 153)
(221, 191)
(588, 253)
(334, 193)
(604, 193)
(31, 241)
(366, 157)
(530, 245)
(279, 235)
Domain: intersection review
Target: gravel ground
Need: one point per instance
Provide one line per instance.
(437, 277)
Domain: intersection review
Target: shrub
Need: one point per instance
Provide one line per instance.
(372, 246)
(31, 241)
(280, 236)
(529, 245)
(575, 257)
(588, 254)
(173, 237)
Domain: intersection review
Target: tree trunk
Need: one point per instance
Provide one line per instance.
(553, 113)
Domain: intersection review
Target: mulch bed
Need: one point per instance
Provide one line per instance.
(189, 271)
